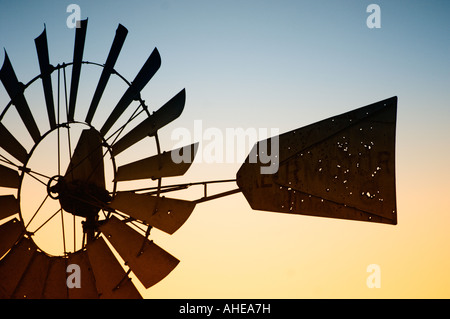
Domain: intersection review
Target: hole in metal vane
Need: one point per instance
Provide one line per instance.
(327, 189)
(320, 169)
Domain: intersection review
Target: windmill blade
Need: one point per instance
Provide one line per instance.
(56, 280)
(161, 165)
(87, 160)
(9, 206)
(151, 264)
(13, 266)
(163, 116)
(32, 283)
(87, 288)
(341, 167)
(10, 232)
(9, 143)
(80, 37)
(110, 278)
(142, 78)
(9, 177)
(108, 69)
(15, 91)
(46, 70)
(166, 214)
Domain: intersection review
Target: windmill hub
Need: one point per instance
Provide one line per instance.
(78, 197)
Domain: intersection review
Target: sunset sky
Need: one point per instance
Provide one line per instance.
(274, 65)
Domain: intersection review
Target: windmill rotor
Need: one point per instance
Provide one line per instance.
(83, 190)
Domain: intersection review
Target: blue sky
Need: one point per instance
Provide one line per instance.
(282, 64)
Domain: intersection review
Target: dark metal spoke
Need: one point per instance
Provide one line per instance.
(58, 125)
(67, 114)
(25, 169)
(63, 232)
(74, 234)
(37, 211)
(35, 231)
(132, 117)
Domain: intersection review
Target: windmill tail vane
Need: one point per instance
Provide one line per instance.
(342, 167)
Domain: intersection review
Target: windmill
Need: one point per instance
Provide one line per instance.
(341, 167)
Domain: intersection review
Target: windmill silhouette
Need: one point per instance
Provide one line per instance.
(341, 167)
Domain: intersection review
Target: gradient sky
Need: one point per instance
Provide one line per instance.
(279, 64)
